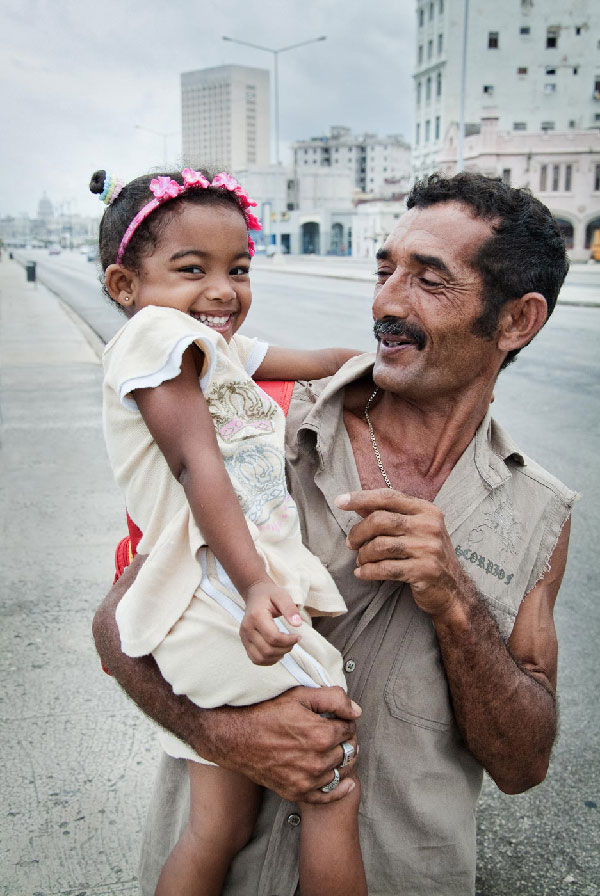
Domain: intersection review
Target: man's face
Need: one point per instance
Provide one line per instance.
(427, 298)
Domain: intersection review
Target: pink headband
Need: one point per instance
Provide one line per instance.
(165, 188)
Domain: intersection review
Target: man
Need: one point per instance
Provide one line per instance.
(448, 545)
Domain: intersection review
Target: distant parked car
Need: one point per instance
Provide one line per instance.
(54, 249)
(92, 253)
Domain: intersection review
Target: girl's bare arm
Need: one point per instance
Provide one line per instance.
(177, 416)
(298, 364)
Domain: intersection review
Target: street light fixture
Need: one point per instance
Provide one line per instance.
(304, 43)
(163, 134)
(275, 53)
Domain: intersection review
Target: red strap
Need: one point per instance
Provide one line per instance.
(280, 391)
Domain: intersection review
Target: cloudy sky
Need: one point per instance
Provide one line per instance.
(77, 77)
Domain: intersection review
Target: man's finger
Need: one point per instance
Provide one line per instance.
(365, 502)
(379, 523)
(331, 701)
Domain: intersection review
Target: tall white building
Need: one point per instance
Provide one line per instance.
(373, 162)
(537, 62)
(225, 117)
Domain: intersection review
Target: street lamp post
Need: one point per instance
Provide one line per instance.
(275, 53)
(460, 152)
(163, 134)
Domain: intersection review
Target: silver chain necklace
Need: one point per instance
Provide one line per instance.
(374, 443)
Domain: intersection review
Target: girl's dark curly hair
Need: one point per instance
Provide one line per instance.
(120, 213)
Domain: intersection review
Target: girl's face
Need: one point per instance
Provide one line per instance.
(201, 266)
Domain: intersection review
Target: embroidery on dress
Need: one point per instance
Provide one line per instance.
(258, 476)
(238, 407)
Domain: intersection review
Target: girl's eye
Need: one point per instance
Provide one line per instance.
(192, 269)
(240, 271)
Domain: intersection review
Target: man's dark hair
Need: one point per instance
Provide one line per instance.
(526, 252)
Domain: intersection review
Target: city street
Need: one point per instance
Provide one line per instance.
(79, 757)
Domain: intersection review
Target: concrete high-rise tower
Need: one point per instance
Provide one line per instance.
(536, 63)
(225, 117)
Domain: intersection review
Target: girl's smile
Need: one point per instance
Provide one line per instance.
(201, 266)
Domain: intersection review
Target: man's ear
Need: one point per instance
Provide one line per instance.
(120, 284)
(520, 320)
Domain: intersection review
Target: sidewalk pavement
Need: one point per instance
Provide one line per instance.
(78, 759)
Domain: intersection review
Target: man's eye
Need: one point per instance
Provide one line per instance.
(382, 275)
(429, 283)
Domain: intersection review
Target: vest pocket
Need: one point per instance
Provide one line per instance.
(417, 690)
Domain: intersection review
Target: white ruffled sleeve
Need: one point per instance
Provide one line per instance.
(148, 350)
(250, 352)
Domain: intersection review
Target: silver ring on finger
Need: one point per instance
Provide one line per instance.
(332, 784)
(349, 753)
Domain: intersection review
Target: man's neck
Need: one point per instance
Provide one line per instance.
(419, 445)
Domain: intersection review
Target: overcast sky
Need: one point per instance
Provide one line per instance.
(76, 77)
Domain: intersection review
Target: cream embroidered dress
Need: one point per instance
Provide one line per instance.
(182, 607)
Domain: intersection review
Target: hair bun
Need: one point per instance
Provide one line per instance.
(97, 181)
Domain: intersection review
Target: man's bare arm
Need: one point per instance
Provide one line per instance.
(503, 694)
(283, 744)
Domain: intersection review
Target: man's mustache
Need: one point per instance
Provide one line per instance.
(395, 326)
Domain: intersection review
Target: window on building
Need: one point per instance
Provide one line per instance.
(437, 128)
(419, 85)
(506, 176)
(597, 89)
(417, 134)
(524, 30)
(438, 84)
(543, 178)
(428, 89)
(427, 131)
(440, 44)
(551, 38)
(441, 7)
(547, 126)
(493, 40)
(575, 69)
(488, 89)
(522, 70)
(519, 126)
(526, 4)
(597, 179)
(556, 177)
(429, 49)
(420, 54)
(421, 18)
(578, 30)
(550, 87)
(550, 70)
(597, 116)
(431, 11)
(568, 178)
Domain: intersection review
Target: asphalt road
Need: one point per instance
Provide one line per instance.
(544, 842)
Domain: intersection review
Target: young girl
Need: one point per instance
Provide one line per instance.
(197, 448)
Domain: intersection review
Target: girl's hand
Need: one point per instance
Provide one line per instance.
(265, 644)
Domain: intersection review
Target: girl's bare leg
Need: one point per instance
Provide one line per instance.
(223, 810)
(330, 858)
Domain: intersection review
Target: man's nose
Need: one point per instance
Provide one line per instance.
(392, 298)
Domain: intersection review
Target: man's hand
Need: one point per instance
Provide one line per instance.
(405, 539)
(287, 745)
(264, 642)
